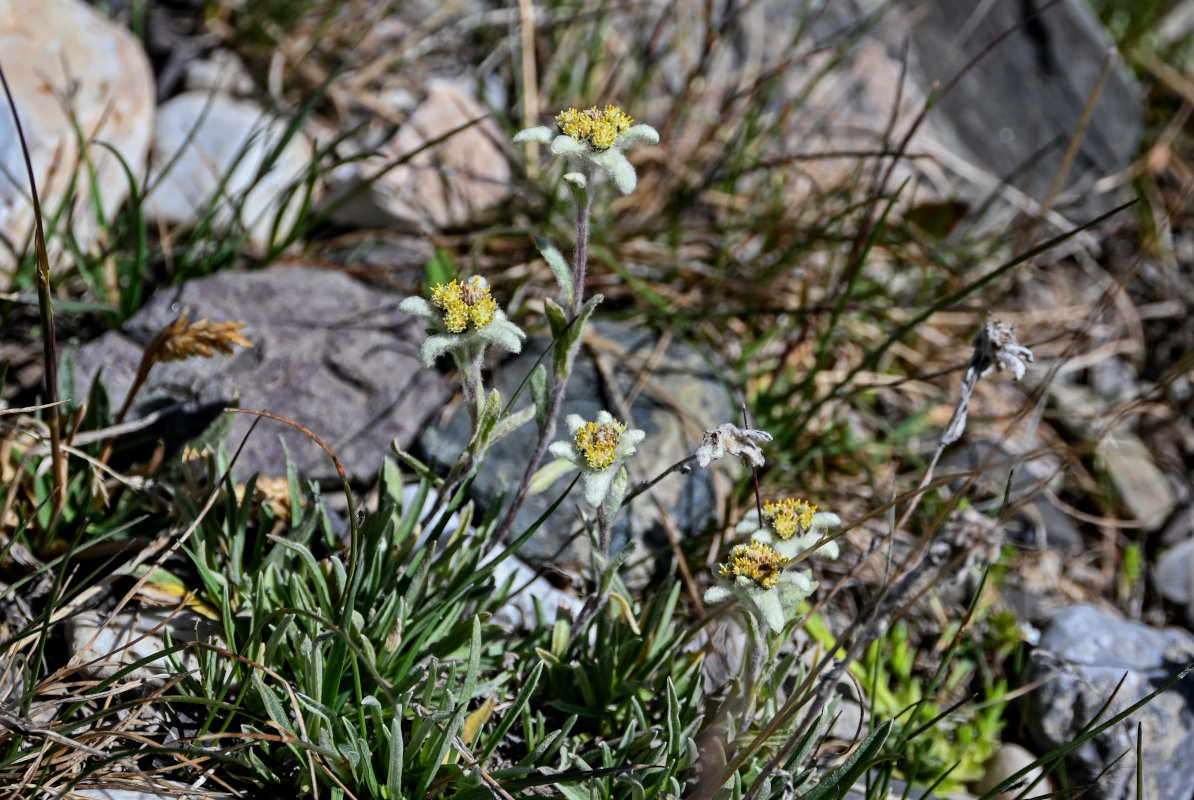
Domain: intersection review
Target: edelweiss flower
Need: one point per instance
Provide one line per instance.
(791, 526)
(597, 137)
(740, 442)
(757, 576)
(598, 450)
(463, 316)
(755, 561)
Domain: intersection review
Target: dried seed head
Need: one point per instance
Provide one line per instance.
(203, 338)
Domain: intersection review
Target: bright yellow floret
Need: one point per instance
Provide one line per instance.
(463, 303)
(597, 442)
(599, 128)
(756, 561)
(789, 517)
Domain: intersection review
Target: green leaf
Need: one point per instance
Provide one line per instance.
(549, 473)
(559, 267)
(491, 412)
(394, 772)
(555, 318)
(568, 339)
(539, 393)
(474, 663)
(441, 268)
(836, 783)
(512, 713)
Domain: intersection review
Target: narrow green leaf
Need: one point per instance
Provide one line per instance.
(394, 773)
(521, 701)
(539, 393)
(837, 782)
(442, 745)
(474, 663)
(559, 266)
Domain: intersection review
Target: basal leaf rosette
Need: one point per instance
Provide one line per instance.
(598, 449)
(791, 526)
(756, 575)
(464, 318)
(597, 138)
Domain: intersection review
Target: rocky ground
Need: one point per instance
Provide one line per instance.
(213, 116)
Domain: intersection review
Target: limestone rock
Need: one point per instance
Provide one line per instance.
(329, 353)
(77, 79)
(210, 149)
(1081, 658)
(103, 644)
(445, 185)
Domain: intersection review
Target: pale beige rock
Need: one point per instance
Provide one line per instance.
(211, 148)
(102, 645)
(1007, 761)
(76, 77)
(445, 185)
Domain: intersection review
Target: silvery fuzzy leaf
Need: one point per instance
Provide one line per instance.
(628, 442)
(825, 519)
(637, 134)
(564, 145)
(620, 170)
(597, 485)
(769, 607)
(718, 594)
(574, 422)
(565, 451)
(503, 334)
(434, 347)
(540, 134)
(418, 307)
(617, 491)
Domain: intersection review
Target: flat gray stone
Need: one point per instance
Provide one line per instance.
(1082, 656)
(330, 353)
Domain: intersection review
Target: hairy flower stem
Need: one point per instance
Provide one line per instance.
(603, 534)
(583, 215)
(555, 398)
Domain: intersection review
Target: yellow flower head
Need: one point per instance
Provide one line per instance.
(598, 127)
(598, 441)
(789, 517)
(756, 561)
(464, 303)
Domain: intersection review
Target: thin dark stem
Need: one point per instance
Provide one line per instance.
(644, 486)
(46, 311)
(603, 537)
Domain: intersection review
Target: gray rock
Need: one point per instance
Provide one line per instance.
(1037, 523)
(1175, 572)
(1009, 118)
(679, 399)
(210, 149)
(1081, 658)
(102, 644)
(329, 353)
(1023, 101)
(70, 70)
